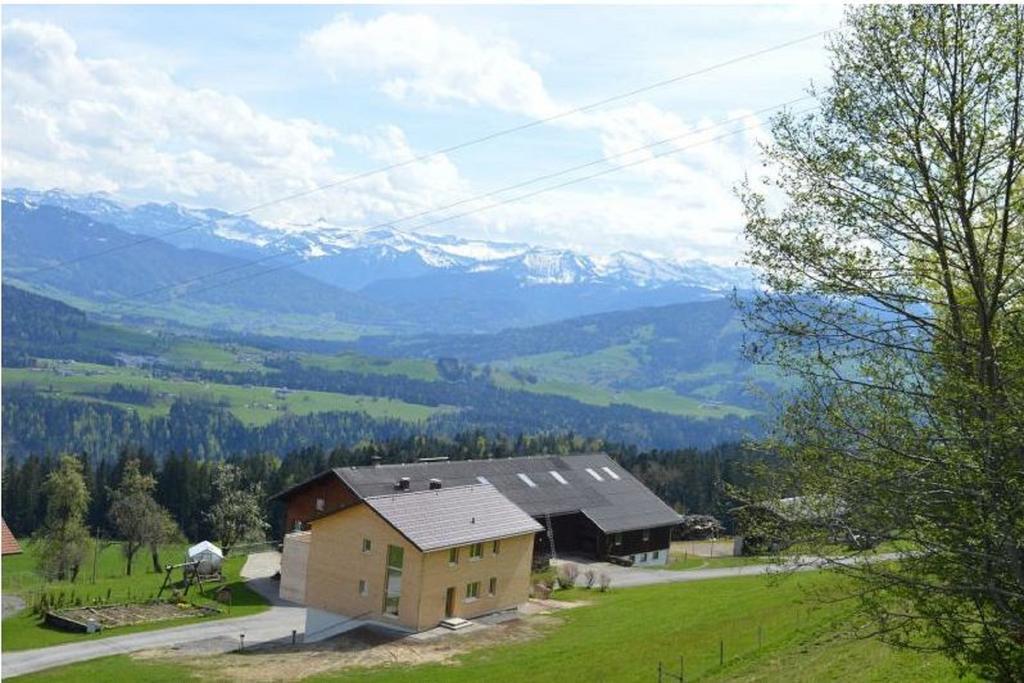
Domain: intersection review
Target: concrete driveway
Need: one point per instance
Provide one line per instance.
(215, 636)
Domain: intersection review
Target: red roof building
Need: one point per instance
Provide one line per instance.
(10, 543)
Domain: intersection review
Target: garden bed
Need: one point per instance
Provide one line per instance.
(113, 616)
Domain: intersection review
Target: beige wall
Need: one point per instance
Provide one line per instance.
(336, 564)
(511, 567)
(294, 562)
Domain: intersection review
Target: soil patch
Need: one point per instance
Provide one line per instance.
(365, 647)
(112, 616)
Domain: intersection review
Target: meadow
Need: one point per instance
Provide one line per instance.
(768, 630)
(253, 405)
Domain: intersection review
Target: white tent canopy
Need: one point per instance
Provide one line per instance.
(207, 555)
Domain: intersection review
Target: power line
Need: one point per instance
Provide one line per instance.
(488, 207)
(461, 202)
(444, 150)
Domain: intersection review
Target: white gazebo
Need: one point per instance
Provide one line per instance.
(207, 556)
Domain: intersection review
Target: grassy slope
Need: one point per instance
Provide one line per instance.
(662, 400)
(624, 633)
(253, 405)
(24, 630)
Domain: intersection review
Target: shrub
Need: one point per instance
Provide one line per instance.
(567, 575)
(604, 581)
(590, 577)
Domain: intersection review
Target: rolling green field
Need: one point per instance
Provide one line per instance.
(623, 634)
(253, 405)
(111, 585)
(660, 399)
(413, 368)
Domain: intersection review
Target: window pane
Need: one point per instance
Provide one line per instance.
(396, 555)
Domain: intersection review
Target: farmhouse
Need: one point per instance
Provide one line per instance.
(592, 507)
(412, 559)
(416, 543)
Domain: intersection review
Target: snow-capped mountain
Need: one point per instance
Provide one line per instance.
(354, 258)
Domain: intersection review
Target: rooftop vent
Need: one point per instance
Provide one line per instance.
(439, 458)
(435, 483)
(402, 484)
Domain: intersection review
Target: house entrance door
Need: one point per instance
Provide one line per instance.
(449, 603)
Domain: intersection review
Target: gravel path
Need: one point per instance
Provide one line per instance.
(12, 604)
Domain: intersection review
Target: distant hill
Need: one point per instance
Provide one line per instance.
(692, 349)
(406, 281)
(36, 237)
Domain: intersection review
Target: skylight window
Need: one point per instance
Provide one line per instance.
(594, 474)
(482, 480)
(526, 480)
(558, 477)
(610, 473)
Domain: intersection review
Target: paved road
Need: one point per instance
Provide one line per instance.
(215, 636)
(625, 577)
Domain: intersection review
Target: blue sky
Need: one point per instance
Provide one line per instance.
(231, 106)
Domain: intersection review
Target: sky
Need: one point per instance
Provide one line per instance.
(236, 106)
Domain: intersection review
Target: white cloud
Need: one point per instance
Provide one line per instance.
(125, 127)
(118, 126)
(424, 60)
(681, 199)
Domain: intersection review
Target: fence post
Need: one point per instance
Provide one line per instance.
(293, 636)
(241, 642)
(659, 673)
(682, 671)
(721, 651)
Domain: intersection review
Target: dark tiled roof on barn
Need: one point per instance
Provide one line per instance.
(10, 544)
(592, 484)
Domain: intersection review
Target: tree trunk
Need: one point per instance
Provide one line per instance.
(154, 551)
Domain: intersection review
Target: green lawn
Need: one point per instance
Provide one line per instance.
(25, 630)
(253, 405)
(623, 634)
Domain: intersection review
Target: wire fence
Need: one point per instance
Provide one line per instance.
(712, 656)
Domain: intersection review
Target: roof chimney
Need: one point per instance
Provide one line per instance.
(435, 483)
(402, 484)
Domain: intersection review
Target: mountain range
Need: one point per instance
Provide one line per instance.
(379, 276)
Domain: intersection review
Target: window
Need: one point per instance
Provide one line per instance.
(496, 547)
(656, 554)
(594, 474)
(453, 556)
(476, 551)
(393, 580)
(363, 590)
(558, 477)
(643, 557)
(367, 545)
(610, 473)
(617, 539)
(472, 591)
(647, 535)
(319, 504)
(492, 586)
(527, 480)
(482, 480)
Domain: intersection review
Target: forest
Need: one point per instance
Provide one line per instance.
(692, 481)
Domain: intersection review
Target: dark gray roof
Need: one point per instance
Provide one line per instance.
(615, 503)
(448, 517)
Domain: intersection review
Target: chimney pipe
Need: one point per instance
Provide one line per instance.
(435, 484)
